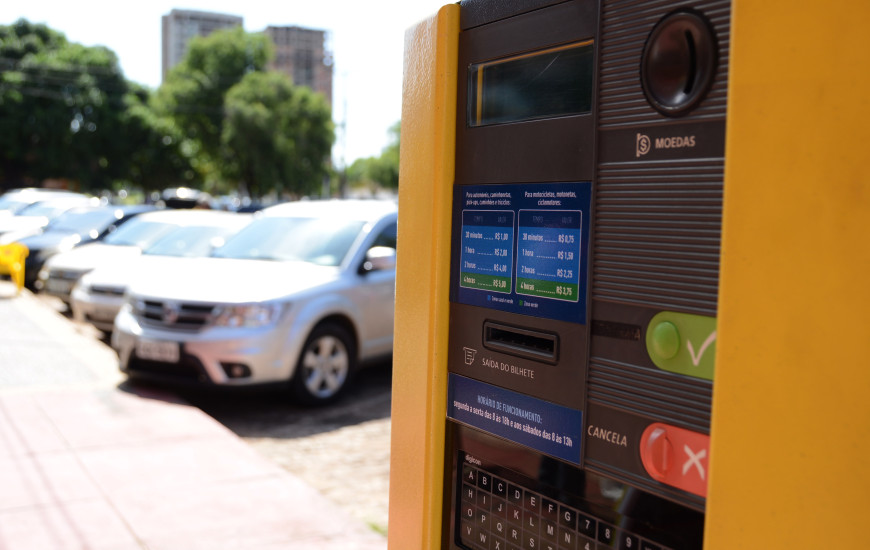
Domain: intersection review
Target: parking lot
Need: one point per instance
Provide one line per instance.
(342, 450)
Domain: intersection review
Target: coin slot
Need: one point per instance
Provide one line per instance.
(693, 63)
(678, 62)
(530, 344)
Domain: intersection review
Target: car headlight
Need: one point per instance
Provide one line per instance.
(247, 315)
(83, 284)
(82, 287)
(68, 243)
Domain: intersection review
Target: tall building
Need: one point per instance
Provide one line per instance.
(301, 54)
(182, 25)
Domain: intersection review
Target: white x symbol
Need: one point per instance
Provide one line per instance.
(694, 459)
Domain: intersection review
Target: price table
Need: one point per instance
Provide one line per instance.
(487, 245)
(548, 253)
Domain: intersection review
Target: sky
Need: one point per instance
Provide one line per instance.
(366, 39)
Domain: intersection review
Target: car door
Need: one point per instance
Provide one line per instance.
(377, 292)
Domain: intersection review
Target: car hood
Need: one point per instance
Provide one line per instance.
(23, 223)
(222, 279)
(89, 256)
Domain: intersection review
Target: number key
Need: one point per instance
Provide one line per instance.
(628, 542)
(606, 533)
(586, 525)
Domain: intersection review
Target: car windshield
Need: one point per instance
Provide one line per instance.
(323, 241)
(139, 232)
(49, 209)
(83, 221)
(12, 205)
(191, 241)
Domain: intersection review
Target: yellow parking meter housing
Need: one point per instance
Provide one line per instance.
(631, 292)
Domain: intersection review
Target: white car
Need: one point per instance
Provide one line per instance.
(14, 200)
(32, 219)
(304, 294)
(61, 272)
(99, 294)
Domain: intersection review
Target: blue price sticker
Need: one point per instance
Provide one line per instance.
(522, 248)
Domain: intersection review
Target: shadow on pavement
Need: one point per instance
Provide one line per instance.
(269, 412)
(272, 412)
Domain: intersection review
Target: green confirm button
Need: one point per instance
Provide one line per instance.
(682, 343)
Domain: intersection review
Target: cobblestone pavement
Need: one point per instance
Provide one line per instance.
(331, 463)
(342, 450)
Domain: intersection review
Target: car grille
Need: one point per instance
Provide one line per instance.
(103, 290)
(172, 314)
(65, 274)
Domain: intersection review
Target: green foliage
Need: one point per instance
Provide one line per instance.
(23, 38)
(194, 90)
(276, 136)
(60, 107)
(381, 171)
(218, 121)
(66, 112)
(159, 161)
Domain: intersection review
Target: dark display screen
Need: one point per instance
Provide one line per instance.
(549, 83)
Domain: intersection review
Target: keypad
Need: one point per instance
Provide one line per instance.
(498, 514)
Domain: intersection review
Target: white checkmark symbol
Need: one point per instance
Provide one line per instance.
(697, 359)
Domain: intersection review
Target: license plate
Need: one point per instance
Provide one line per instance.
(166, 352)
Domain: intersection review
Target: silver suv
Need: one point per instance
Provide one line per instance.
(303, 294)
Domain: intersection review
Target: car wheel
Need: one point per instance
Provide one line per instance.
(325, 365)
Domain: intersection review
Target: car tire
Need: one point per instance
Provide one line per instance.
(325, 365)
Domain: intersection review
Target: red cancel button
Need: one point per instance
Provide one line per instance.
(676, 456)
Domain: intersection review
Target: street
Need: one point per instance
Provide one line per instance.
(341, 450)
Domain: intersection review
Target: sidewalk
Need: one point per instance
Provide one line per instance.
(86, 463)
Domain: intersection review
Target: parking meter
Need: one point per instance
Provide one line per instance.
(586, 221)
(565, 325)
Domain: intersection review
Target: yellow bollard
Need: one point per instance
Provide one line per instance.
(12, 258)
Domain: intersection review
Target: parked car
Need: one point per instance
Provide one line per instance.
(33, 218)
(184, 197)
(62, 271)
(73, 228)
(304, 294)
(12, 201)
(99, 294)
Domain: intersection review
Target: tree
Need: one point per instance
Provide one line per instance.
(383, 170)
(159, 160)
(194, 90)
(18, 41)
(61, 106)
(276, 136)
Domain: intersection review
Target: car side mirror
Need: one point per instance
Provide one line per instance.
(215, 243)
(379, 258)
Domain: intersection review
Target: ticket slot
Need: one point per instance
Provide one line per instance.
(522, 342)
(554, 381)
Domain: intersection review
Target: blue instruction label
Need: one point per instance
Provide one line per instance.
(546, 427)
